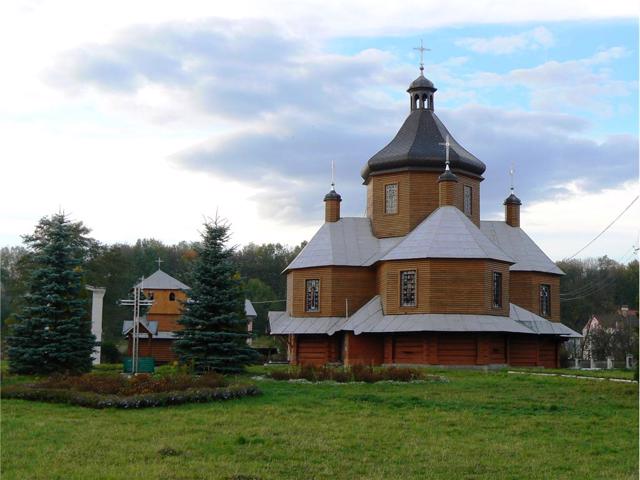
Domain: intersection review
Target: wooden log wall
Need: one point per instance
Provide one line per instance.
(160, 349)
(317, 350)
(337, 284)
(363, 349)
(161, 303)
(418, 196)
(430, 348)
(445, 286)
(525, 291)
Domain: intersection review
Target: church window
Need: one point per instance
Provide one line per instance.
(425, 101)
(391, 198)
(312, 288)
(408, 288)
(497, 290)
(468, 195)
(172, 297)
(545, 300)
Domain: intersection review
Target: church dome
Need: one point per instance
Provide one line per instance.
(418, 145)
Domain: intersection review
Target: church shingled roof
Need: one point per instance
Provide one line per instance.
(417, 145)
(514, 241)
(370, 318)
(447, 233)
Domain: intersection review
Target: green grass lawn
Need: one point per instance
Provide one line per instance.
(614, 373)
(479, 425)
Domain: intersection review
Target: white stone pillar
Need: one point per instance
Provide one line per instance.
(629, 361)
(96, 319)
(609, 363)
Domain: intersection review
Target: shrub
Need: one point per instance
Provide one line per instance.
(160, 399)
(355, 373)
(109, 353)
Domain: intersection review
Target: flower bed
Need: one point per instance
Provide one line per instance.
(356, 373)
(123, 385)
(140, 391)
(160, 399)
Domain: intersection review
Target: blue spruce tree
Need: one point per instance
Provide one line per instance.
(215, 327)
(53, 330)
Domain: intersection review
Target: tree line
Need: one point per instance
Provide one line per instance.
(117, 267)
(595, 286)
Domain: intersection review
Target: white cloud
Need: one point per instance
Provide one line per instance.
(539, 37)
(565, 223)
(105, 155)
(582, 83)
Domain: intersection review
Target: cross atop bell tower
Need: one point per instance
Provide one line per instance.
(421, 89)
(422, 49)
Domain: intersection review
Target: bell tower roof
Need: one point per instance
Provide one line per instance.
(421, 83)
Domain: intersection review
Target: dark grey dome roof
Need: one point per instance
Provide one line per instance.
(332, 195)
(512, 200)
(421, 82)
(416, 146)
(447, 176)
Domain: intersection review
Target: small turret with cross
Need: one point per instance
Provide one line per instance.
(421, 89)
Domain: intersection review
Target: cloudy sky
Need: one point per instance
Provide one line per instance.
(142, 118)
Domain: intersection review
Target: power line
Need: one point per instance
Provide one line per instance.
(607, 276)
(605, 229)
(597, 286)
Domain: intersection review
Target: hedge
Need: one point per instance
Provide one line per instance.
(94, 400)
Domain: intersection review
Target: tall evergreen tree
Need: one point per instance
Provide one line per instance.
(53, 330)
(215, 327)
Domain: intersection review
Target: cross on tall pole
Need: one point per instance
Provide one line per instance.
(422, 49)
(333, 176)
(136, 302)
(446, 149)
(512, 170)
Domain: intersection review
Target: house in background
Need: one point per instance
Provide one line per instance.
(157, 327)
(624, 320)
(421, 279)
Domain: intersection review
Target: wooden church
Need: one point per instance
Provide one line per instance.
(157, 327)
(421, 279)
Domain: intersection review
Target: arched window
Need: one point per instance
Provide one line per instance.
(172, 297)
(425, 101)
(416, 102)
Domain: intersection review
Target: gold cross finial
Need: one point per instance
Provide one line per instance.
(421, 49)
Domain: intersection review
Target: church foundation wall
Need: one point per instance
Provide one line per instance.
(430, 348)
